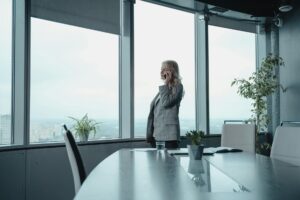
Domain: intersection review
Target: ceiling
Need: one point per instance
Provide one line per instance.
(256, 8)
(246, 11)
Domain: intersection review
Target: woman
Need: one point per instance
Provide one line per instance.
(163, 121)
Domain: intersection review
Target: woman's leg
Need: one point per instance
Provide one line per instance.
(153, 143)
(172, 144)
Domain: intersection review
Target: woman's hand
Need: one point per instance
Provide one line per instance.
(166, 76)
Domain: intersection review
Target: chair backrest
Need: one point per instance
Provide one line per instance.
(77, 166)
(286, 145)
(241, 136)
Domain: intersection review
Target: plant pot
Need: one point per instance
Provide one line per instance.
(195, 151)
(84, 137)
(263, 143)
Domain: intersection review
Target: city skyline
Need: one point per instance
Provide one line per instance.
(47, 131)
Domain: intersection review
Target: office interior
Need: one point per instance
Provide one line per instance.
(42, 35)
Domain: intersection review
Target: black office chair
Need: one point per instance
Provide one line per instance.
(77, 167)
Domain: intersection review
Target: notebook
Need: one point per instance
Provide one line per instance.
(224, 149)
(184, 151)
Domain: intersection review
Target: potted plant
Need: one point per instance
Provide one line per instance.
(83, 127)
(257, 87)
(195, 149)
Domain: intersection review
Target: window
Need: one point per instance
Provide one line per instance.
(162, 33)
(74, 71)
(5, 71)
(231, 55)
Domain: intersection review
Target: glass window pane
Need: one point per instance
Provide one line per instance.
(74, 71)
(162, 33)
(231, 55)
(5, 70)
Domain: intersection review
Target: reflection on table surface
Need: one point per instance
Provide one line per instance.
(147, 174)
(207, 177)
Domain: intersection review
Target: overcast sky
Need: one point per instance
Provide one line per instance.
(5, 56)
(75, 70)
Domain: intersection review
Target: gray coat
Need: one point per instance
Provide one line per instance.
(163, 121)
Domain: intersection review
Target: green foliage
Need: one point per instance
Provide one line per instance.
(84, 126)
(195, 136)
(266, 146)
(258, 86)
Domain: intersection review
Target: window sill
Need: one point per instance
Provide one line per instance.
(61, 144)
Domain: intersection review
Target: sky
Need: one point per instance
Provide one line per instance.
(231, 55)
(163, 33)
(5, 55)
(75, 70)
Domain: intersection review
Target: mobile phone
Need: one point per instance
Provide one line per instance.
(165, 76)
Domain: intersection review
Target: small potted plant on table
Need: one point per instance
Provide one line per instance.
(195, 149)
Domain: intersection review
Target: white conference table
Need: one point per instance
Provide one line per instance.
(147, 174)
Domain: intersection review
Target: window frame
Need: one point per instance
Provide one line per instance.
(21, 73)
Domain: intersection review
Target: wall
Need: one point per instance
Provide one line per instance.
(45, 173)
(289, 44)
(12, 175)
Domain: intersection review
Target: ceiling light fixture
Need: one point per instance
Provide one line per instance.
(285, 6)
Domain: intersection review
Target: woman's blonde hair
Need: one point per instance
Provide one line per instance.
(173, 67)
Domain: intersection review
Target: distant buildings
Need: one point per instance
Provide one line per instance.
(5, 129)
(45, 131)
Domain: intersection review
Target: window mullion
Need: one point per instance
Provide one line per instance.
(19, 73)
(202, 95)
(126, 80)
